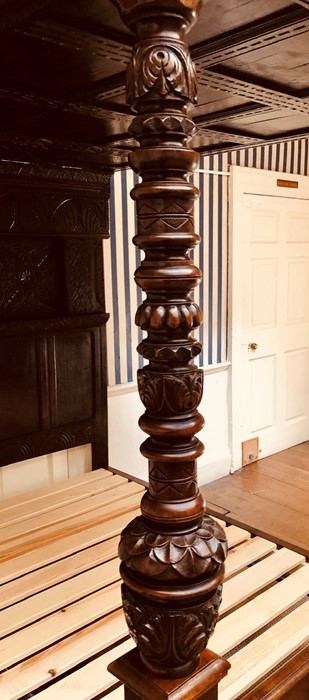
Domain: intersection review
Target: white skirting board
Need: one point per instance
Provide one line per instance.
(31, 474)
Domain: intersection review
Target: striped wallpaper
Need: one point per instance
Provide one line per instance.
(121, 257)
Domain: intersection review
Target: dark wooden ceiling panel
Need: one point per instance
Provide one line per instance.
(97, 44)
(224, 16)
(280, 122)
(14, 12)
(62, 85)
(270, 61)
(99, 13)
(252, 37)
(244, 85)
(214, 100)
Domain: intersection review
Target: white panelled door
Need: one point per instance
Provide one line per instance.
(269, 273)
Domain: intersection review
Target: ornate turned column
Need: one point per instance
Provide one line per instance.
(173, 555)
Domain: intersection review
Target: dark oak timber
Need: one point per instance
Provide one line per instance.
(52, 311)
(173, 555)
(201, 685)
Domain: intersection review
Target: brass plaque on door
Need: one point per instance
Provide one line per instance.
(288, 183)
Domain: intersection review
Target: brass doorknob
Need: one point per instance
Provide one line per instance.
(253, 346)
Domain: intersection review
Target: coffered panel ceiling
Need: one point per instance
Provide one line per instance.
(62, 85)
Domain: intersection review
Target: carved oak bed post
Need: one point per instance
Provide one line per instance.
(173, 555)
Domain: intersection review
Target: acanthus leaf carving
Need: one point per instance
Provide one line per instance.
(169, 393)
(78, 216)
(25, 211)
(161, 70)
(174, 639)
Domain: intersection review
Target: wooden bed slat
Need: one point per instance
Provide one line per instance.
(59, 658)
(71, 516)
(73, 543)
(247, 553)
(262, 654)
(24, 613)
(117, 694)
(254, 579)
(58, 625)
(61, 602)
(88, 681)
(48, 502)
(32, 496)
(36, 581)
(260, 611)
(236, 535)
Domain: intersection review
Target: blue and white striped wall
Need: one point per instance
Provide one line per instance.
(121, 257)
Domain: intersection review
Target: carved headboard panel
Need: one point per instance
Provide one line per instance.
(52, 311)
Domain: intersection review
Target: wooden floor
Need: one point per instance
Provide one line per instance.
(269, 497)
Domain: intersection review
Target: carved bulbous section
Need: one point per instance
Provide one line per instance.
(172, 617)
(172, 557)
(171, 641)
(170, 394)
(178, 14)
(159, 70)
(185, 316)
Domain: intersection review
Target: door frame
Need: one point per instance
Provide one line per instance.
(240, 184)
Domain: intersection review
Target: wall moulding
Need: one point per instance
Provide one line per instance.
(76, 177)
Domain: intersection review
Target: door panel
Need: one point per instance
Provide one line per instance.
(296, 370)
(297, 290)
(263, 382)
(263, 293)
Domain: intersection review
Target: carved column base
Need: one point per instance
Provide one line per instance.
(172, 587)
(141, 685)
(170, 638)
